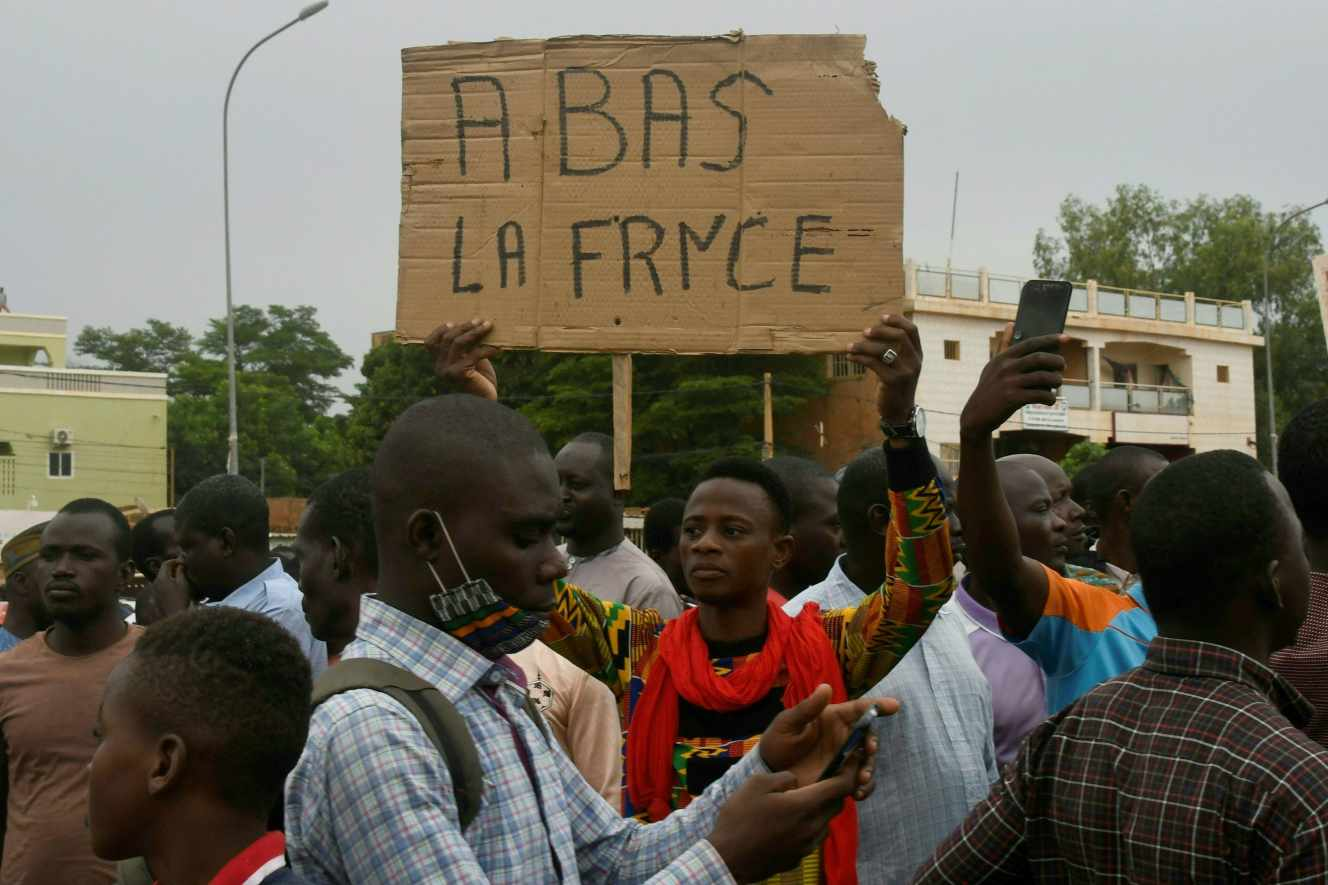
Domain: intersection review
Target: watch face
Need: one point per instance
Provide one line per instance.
(920, 420)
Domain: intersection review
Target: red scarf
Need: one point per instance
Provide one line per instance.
(682, 667)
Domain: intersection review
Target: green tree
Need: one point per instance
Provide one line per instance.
(282, 396)
(687, 411)
(284, 341)
(1080, 455)
(1213, 247)
(157, 347)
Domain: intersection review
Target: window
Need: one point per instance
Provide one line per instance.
(6, 468)
(952, 350)
(1223, 374)
(61, 465)
(842, 367)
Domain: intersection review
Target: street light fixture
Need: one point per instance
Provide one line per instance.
(1268, 328)
(233, 439)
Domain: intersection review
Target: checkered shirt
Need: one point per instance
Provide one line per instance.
(1305, 664)
(371, 800)
(1190, 768)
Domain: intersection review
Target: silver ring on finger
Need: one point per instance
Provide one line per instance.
(889, 356)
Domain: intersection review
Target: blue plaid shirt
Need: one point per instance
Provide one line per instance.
(371, 800)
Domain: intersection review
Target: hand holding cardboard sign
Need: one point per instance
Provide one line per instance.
(893, 351)
(462, 360)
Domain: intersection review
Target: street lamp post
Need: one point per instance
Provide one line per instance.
(1268, 328)
(233, 439)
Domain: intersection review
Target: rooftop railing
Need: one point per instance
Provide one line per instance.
(1088, 298)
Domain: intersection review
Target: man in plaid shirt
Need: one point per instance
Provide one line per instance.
(1191, 767)
(465, 497)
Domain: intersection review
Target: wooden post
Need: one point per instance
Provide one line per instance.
(768, 447)
(622, 421)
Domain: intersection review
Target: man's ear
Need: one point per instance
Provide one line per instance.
(878, 519)
(1269, 589)
(1123, 503)
(424, 535)
(227, 541)
(785, 546)
(340, 559)
(169, 764)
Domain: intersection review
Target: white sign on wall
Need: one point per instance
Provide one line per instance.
(1039, 417)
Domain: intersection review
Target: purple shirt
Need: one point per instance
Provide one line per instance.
(1018, 688)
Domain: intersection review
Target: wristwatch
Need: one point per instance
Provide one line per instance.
(914, 428)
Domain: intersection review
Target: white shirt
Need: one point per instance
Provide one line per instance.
(940, 758)
(274, 593)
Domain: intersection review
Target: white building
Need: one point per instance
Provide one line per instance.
(1173, 372)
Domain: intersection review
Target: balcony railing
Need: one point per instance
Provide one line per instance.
(82, 381)
(1077, 394)
(1090, 298)
(1146, 398)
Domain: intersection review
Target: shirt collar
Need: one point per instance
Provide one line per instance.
(256, 584)
(607, 551)
(836, 591)
(984, 616)
(1186, 657)
(839, 578)
(251, 866)
(421, 648)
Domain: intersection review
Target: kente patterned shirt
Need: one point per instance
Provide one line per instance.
(1189, 768)
(618, 644)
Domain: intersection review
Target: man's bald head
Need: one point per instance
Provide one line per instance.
(1062, 496)
(1123, 469)
(1041, 531)
(1018, 478)
(1043, 467)
(438, 454)
(486, 472)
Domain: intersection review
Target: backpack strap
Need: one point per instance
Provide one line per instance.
(441, 722)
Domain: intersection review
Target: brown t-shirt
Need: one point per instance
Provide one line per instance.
(48, 709)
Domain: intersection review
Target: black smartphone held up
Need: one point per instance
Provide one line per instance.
(856, 738)
(1043, 306)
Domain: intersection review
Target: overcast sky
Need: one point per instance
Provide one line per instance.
(110, 130)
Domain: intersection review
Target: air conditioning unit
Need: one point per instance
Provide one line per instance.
(62, 437)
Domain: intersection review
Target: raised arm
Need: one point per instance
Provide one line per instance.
(461, 359)
(876, 635)
(605, 639)
(1019, 376)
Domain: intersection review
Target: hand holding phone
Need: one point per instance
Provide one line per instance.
(1043, 306)
(856, 738)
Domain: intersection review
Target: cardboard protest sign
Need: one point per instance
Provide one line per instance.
(1321, 283)
(650, 194)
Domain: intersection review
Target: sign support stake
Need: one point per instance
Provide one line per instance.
(622, 421)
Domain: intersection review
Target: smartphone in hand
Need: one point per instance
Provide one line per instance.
(1043, 306)
(856, 738)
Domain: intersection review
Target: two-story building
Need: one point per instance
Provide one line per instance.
(75, 433)
(1173, 372)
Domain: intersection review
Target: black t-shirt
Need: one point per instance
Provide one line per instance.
(735, 725)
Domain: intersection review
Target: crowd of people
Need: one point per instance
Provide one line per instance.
(1103, 678)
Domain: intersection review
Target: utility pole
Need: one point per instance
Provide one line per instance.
(262, 476)
(768, 446)
(233, 435)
